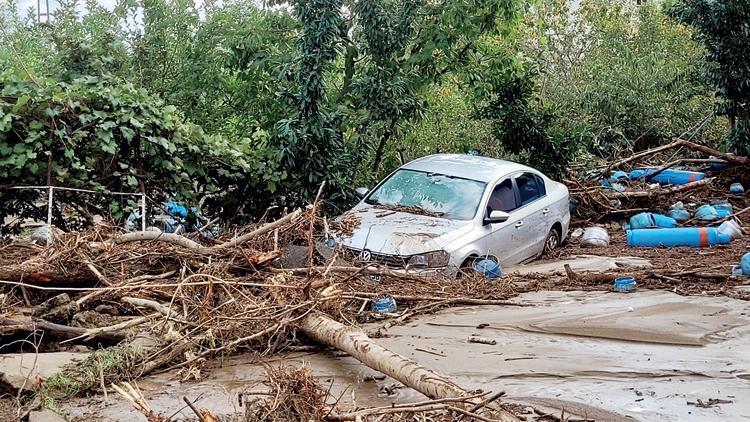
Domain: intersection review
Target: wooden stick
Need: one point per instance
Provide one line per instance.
(661, 191)
(482, 340)
(194, 409)
(25, 324)
(260, 231)
(94, 332)
(143, 236)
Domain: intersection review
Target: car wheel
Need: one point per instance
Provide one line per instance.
(552, 242)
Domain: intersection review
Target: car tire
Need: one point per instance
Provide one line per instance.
(551, 242)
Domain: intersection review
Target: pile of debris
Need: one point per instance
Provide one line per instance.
(148, 301)
(151, 301)
(657, 204)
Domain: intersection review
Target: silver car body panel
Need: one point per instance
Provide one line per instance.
(392, 233)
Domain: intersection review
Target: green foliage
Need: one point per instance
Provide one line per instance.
(623, 72)
(723, 28)
(309, 141)
(114, 364)
(521, 123)
(331, 90)
(448, 125)
(103, 134)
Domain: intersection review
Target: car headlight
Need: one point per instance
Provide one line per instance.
(435, 259)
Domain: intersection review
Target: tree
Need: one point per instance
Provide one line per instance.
(624, 73)
(309, 141)
(106, 135)
(723, 27)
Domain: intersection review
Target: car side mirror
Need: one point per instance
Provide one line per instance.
(497, 217)
(361, 192)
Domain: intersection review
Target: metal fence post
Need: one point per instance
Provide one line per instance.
(143, 212)
(49, 216)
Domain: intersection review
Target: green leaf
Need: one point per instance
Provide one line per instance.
(127, 133)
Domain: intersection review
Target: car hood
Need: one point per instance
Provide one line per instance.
(400, 233)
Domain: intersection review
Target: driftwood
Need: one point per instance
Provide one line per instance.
(43, 273)
(289, 218)
(481, 340)
(357, 344)
(588, 278)
(425, 406)
(143, 236)
(660, 191)
(369, 270)
(179, 240)
(90, 333)
(24, 325)
(677, 144)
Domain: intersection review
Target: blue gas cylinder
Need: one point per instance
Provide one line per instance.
(649, 219)
(668, 176)
(696, 237)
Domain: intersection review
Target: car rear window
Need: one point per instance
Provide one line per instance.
(529, 187)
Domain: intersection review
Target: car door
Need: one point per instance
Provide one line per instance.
(535, 211)
(504, 240)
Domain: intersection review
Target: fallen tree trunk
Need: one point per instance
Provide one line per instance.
(24, 325)
(357, 344)
(43, 273)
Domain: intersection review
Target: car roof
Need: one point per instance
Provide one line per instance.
(483, 169)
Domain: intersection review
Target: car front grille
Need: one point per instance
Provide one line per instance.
(386, 260)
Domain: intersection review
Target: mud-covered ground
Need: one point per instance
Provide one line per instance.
(650, 355)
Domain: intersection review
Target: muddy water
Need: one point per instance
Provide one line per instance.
(602, 355)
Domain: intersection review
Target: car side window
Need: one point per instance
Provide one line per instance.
(540, 185)
(528, 187)
(503, 198)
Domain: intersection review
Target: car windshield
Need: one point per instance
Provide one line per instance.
(429, 193)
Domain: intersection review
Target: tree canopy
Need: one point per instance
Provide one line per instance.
(254, 106)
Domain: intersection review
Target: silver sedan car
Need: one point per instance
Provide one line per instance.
(443, 212)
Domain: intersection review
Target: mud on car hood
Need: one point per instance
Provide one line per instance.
(400, 233)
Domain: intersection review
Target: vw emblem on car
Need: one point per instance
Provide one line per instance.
(365, 256)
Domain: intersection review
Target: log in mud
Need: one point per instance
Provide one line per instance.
(357, 344)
